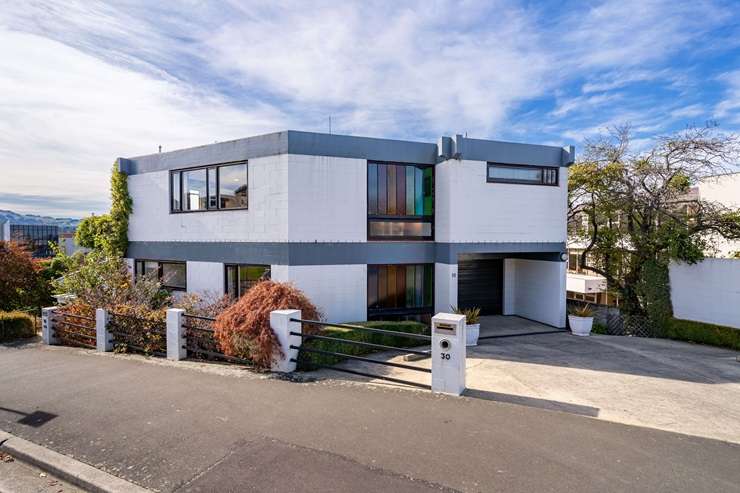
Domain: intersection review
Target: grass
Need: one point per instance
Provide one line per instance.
(703, 333)
(361, 336)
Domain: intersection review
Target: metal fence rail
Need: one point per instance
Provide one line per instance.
(305, 352)
(140, 335)
(80, 333)
(200, 342)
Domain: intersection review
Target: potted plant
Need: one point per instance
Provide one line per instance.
(581, 320)
(472, 324)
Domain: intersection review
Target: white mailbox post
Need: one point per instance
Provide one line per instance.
(448, 353)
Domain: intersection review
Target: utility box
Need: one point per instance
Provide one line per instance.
(448, 353)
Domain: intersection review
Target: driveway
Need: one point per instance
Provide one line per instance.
(657, 383)
(194, 427)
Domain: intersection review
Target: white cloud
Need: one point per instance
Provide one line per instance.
(729, 107)
(65, 116)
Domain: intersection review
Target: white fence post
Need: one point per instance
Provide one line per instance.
(282, 327)
(102, 336)
(175, 335)
(47, 325)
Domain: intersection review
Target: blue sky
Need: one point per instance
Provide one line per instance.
(85, 82)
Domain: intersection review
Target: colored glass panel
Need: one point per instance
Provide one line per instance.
(428, 191)
(372, 188)
(418, 192)
(392, 189)
(401, 190)
(409, 190)
(382, 189)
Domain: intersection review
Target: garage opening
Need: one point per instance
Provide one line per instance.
(480, 282)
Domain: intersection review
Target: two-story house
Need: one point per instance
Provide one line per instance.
(368, 228)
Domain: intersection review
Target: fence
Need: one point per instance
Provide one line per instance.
(74, 330)
(616, 323)
(130, 333)
(200, 342)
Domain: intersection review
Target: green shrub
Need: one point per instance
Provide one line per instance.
(15, 325)
(361, 336)
(699, 332)
(599, 328)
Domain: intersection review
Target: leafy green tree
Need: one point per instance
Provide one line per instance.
(109, 232)
(635, 212)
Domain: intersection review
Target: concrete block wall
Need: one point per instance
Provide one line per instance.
(265, 220)
(469, 209)
(708, 291)
(535, 290)
(445, 287)
(328, 199)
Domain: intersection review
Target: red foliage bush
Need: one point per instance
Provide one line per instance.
(243, 330)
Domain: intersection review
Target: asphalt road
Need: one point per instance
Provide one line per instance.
(170, 427)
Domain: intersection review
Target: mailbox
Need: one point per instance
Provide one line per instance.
(448, 353)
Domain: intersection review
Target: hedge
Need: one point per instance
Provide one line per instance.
(16, 325)
(702, 333)
(362, 336)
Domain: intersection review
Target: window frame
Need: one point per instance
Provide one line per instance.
(398, 218)
(226, 275)
(206, 167)
(542, 183)
(160, 272)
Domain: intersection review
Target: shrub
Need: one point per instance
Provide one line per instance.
(361, 336)
(20, 278)
(702, 333)
(599, 328)
(243, 330)
(15, 325)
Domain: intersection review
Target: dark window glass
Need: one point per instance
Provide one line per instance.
(392, 190)
(174, 276)
(428, 192)
(418, 192)
(240, 278)
(176, 193)
(194, 190)
(400, 290)
(35, 237)
(372, 188)
(212, 189)
(519, 174)
(410, 190)
(382, 189)
(233, 186)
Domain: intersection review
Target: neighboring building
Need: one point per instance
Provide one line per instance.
(35, 236)
(725, 190)
(367, 228)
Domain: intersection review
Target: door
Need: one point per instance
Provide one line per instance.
(480, 283)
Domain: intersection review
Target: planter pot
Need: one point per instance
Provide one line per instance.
(472, 331)
(580, 326)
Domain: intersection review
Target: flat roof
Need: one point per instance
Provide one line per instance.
(349, 146)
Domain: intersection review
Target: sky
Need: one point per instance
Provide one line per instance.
(82, 83)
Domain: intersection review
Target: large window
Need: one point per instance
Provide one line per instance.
(209, 188)
(239, 278)
(400, 201)
(522, 175)
(400, 291)
(172, 275)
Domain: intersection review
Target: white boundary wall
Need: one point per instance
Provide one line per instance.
(707, 292)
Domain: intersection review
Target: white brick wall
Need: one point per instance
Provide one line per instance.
(445, 287)
(328, 199)
(266, 219)
(469, 209)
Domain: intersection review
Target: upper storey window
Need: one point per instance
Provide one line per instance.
(400, 201)
(522, 175)
(209, 188)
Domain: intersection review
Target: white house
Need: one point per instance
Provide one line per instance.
(367, 228)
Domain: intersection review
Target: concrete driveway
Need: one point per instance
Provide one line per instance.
(662, 384)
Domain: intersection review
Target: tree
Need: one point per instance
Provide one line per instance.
(640, 211)
(20, 280)
(109, 232)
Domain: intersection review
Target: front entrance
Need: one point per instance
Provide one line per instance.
(480, 284)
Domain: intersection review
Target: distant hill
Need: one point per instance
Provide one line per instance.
(64, 223)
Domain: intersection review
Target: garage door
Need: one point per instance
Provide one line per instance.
(480, 283)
